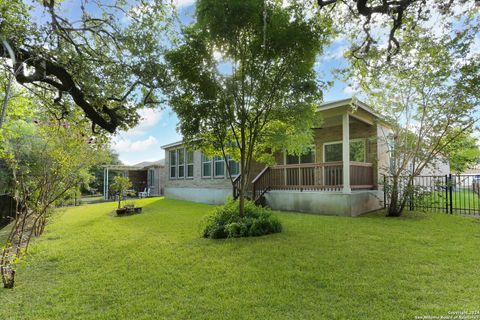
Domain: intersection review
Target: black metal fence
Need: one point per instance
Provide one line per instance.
(8, 207)
(449, 193)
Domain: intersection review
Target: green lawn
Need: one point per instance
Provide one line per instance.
(463, 201)
(92, 265)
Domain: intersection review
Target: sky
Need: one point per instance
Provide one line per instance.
(159, 127)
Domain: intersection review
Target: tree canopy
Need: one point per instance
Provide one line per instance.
(427, 95)
(101, 57)
(377, 23)
(245, 84)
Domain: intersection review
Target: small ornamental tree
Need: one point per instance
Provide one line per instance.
(428, 95)
(121, 185)
(244, 81)
(46, 160)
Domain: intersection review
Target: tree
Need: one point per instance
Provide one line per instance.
(98, 173)
(47, 160)
(387, 18)
(425, 97)
(121, 185)
(105, 60)
(463, 152)
(244, 84)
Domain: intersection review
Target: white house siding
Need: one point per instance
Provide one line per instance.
(439, 167)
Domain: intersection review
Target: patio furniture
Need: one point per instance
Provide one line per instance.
(145, 193)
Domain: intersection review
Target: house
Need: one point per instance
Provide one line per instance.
(144, 176)
(341, 174)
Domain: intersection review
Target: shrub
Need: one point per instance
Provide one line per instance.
(226, 222)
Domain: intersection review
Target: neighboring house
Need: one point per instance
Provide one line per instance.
(474, 170)
(144, 176)
(339, 175)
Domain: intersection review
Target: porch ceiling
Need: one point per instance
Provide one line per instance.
(333, 116)
(335, 121)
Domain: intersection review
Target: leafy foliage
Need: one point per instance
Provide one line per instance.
(121, 185)
(226, 221)
(244, 81)
(373, 24)
(45, 161)
(104, 60)
(463, 152)
(426, 101)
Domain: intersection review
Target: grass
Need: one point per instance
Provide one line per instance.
(92, 265)
(463, 200)
(93, 199)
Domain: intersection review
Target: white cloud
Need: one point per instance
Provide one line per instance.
(183, 3)
(122, 145)
(348, 90)
(149, 119)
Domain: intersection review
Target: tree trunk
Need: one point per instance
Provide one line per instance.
(5, 100)
(241, 199)
(394, 208)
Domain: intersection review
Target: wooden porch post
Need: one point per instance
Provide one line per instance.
(346, 152)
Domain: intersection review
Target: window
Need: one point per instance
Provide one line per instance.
(219, 166)
(307, 157)
(206, 166)
(189, 164)
(181, 162)
(233, 166)
(334, 152)
(173, 164)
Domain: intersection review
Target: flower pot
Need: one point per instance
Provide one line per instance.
(121, 211)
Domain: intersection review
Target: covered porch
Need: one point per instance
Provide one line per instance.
(136, 174)
(337, 175)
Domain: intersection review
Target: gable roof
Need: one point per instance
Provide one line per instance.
(348, 102)
(324, 106)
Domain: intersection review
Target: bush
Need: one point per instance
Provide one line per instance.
(226, 222)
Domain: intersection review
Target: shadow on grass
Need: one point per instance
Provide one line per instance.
(406, 215)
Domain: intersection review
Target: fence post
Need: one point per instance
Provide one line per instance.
(450, 189)
(446, 194)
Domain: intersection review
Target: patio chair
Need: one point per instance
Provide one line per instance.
(145, 193)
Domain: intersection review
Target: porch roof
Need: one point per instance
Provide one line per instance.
(345, 103)
(121, 167)
(171, 145)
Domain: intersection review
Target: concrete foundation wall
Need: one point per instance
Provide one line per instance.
(204, 195)
(328, 203)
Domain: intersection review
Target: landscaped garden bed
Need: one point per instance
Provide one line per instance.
(128, 209)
